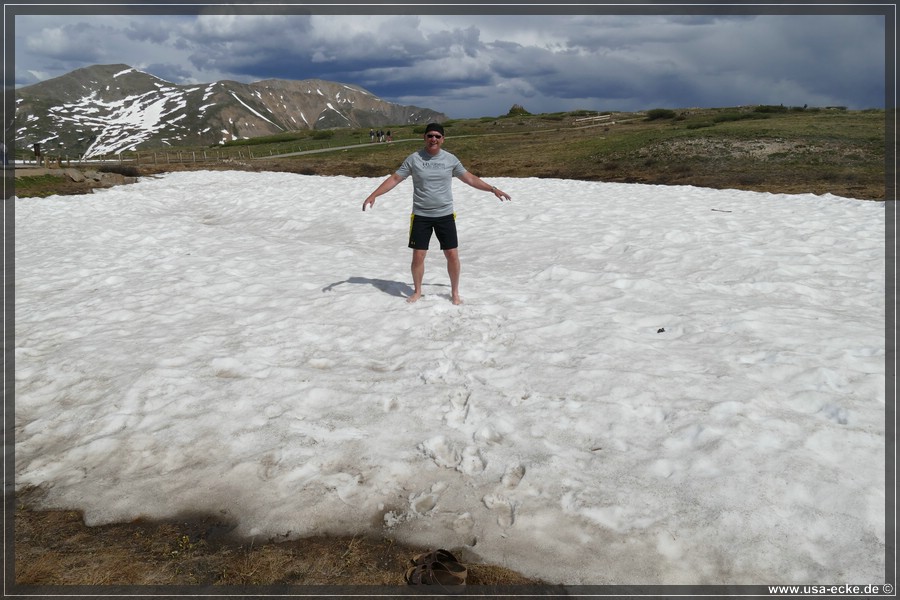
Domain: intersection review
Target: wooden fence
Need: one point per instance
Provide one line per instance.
(201, 156)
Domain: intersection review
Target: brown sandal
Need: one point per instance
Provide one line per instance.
(439, 567)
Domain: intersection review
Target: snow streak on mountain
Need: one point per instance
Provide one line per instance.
(108, 109)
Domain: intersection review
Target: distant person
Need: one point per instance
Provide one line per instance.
(390, 138)
(372, 135)
(433, 170)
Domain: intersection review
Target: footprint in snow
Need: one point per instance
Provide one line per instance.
(513, 476)
(503, 507)
(441, 451)
(459, 407)
(471, 463)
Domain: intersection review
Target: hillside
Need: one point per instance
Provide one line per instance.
(107, 109)
(762, 149)
(751, 148)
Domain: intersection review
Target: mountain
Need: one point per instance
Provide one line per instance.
(110, 108)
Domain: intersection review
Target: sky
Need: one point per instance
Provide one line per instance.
(474, 65)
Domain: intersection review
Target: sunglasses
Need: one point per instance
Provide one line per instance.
(436, 136)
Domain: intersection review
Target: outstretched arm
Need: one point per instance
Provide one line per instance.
(479, 184)
(386, 186)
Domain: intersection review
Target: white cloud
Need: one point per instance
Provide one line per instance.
(482, 62)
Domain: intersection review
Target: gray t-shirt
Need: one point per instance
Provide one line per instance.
(432, 181)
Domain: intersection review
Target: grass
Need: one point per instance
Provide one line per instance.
(47, 184)
(56, 548)
(41, 186)
(838, 152)
(766, 149)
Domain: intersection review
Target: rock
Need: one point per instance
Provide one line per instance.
(111, 179)
(74, 174)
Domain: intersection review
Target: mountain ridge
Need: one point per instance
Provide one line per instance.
(106, 109)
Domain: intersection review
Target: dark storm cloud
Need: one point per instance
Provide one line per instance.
(394, 57)
(287, 47)
(391, 47)
(238, 45)
(75, 43)
(707, 61)
(155, 31)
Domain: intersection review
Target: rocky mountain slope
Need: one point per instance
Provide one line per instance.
(110, 108)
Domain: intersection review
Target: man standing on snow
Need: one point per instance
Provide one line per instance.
(433, 170)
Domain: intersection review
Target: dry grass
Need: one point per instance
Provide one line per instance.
(817, 152)
(56, 548)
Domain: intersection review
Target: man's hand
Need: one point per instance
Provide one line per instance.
(386, 186)
(500, 194)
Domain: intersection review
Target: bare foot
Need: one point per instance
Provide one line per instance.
(456, 300)
(414, 297)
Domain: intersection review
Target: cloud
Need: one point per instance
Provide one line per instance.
(157, 31)
(73, 42)
(468, 65)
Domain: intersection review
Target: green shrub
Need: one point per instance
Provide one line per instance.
(768, 108)
(517, 110)
(660, 113)
(124, 170)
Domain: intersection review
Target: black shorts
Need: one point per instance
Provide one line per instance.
(444, 228)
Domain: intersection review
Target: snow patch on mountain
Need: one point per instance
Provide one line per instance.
(109, 109)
